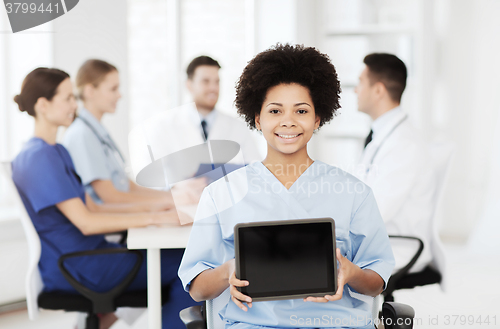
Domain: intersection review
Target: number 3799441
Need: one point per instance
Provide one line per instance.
(26, 8)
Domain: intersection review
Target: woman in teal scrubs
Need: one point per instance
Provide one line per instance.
(65, 217)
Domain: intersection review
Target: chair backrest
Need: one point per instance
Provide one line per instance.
(442, 155)
(33, 283)
(213, 308)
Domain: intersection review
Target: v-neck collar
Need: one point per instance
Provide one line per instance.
(290, 196)
(91, 120)
(272, 179)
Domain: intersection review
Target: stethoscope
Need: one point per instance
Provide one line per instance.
(120, 159)
(383, 141)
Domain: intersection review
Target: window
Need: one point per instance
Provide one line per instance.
(349, 31)
(164, 36)
(19, 54)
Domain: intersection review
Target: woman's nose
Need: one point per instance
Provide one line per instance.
(287, 120)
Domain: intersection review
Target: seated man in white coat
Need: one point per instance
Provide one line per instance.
(395, 161)
(203, 84)
(178, 137)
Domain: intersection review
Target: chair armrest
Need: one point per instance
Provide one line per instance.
(101, 302)
(124, 236)
(193, 317)
(391, 285)
(397, 315)
(119, 237)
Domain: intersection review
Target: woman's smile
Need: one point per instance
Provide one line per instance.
(288, 137)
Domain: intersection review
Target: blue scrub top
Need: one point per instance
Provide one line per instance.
(45, 176)
(253, 194)
(95, 155)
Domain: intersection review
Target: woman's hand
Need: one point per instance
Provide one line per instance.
(188, 192)
(158, 206)
(169, 217)
(237, 297)
(345, 272)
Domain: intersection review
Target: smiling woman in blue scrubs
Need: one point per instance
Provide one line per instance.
(288, 92)
(65, 217)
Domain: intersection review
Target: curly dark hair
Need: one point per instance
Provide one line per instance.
(286, 64)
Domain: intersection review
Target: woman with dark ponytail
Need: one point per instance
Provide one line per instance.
(65, 217)
(41, 82)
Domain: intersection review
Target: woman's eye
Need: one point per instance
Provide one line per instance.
(302, 111)
(274, 111)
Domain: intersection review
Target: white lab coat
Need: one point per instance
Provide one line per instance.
(396, 164)
(179, 129)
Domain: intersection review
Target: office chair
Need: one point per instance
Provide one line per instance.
(87, 301)
(206, 316)
(442, 154)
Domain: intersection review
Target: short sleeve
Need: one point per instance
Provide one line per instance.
(370, 244)
(44, 180)
(87, 153)
(206, 248)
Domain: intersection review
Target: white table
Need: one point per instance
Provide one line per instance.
(153, 239)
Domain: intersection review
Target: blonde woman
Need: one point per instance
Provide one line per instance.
(98, 161)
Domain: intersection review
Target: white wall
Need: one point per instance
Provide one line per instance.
(149, 49)
(467, 106)
(292, 21)
(217, 29)
(14, 260)
(97, 29)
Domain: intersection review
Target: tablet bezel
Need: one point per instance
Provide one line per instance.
(280, 223)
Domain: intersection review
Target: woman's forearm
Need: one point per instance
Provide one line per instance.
(99, 223)
(122, 208)
(109, 194)
(134, 188)
(366, 282)
(210, 283)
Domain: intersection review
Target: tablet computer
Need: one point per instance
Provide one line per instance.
(286, 259)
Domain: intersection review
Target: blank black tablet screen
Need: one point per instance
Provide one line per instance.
(287, 259)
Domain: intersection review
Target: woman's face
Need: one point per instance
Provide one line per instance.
(287, 118)
(60, 111)
(106, 95)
